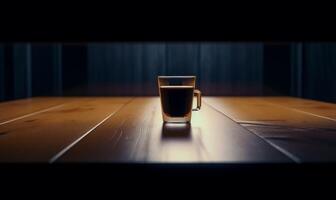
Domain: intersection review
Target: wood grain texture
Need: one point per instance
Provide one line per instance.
(321, 109)
(127, 129)
(40, 137)
(264, 110)
(297, 127)
(136, 134)
(18, 108)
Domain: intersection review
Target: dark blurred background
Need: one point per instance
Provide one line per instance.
(222, 68)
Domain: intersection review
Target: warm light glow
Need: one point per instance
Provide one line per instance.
(176, 125)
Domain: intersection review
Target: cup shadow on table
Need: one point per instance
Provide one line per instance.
(176, 131)
(184, 143)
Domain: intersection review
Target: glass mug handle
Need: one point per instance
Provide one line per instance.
(199, 100)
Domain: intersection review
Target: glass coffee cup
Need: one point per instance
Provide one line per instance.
(176, 95)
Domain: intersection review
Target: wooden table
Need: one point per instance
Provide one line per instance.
(130, 129)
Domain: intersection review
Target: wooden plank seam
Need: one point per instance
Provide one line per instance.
(283, 151)
(67, 148)
(31, 114)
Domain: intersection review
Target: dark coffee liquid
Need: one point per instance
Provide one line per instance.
(176, 100)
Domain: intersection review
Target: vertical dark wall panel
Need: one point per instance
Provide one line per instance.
(215, 75)
(2, 73)
(42, 69)
(105, 68)
(132, 68)
(277, 69)
(182, 58)
(296, 69)
(231, 69)
(222, 68)
(57, 69)
(21, 63)
(9, 72)
(319, 71)
(154, 64)
(74, 69)
(125, 68)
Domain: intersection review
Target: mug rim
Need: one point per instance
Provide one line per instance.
(176, 76)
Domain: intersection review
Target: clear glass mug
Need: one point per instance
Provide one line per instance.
(176, 95)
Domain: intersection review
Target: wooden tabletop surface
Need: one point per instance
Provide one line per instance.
(130, 129)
